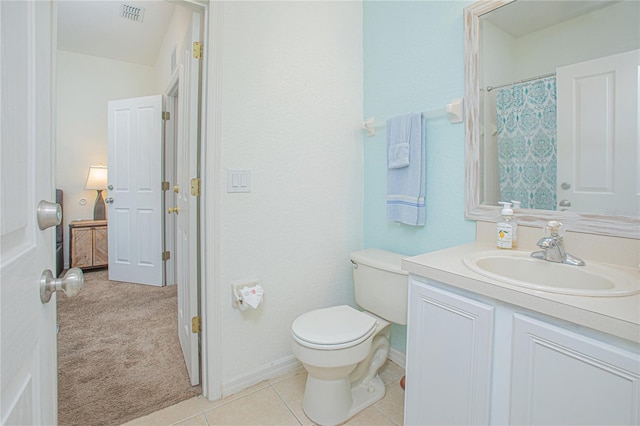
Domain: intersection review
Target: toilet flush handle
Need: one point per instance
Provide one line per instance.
(355, 265)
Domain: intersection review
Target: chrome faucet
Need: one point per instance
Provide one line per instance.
(552, 246)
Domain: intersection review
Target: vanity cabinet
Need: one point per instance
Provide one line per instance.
(88, 244)
(448, 358)
(475, 360)
(563, 377)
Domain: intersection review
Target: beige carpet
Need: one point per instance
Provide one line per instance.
(118, 352)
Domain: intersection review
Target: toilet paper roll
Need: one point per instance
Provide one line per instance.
(251, 296)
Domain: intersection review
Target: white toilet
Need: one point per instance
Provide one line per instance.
(343, 348)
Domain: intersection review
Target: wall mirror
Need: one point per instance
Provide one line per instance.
(551, 90)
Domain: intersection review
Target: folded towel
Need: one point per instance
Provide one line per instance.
(406, 184)
(398, 156)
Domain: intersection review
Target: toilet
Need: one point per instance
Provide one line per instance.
(343, 348)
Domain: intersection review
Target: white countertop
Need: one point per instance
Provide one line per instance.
(618, 316)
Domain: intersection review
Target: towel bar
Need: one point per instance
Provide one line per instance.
(454, 110)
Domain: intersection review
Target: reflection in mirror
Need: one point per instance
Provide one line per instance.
(552, 96)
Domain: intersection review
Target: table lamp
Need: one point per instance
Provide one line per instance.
(97, 180)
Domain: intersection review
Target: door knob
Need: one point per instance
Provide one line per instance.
(565, 203)
(70, 283)
(49, 214)
(110, 187)
(175, 210)
(109, 200)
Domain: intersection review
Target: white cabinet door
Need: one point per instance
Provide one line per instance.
(563, 378)
(448, 358)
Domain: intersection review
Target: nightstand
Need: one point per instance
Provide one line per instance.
(88, 244)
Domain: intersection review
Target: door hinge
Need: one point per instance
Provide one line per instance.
(196, 325)
(197, 50)
(166, 255)
(166, 115)
(165, 186)
(195, 187)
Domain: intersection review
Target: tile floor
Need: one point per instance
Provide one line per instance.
(277, 402)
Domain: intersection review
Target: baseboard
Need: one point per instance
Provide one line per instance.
(280, 367)
(398, 357)
(258, 374)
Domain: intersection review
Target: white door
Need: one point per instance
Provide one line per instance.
(28, 375)
(134, 193)
(186, 246)
(598, 142)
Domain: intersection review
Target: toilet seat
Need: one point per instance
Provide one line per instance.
(337, 327)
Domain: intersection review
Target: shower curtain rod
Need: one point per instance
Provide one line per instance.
(490, 88)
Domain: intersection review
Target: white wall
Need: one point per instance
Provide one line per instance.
(604, 32)
(85, 85)
(291, 106)
(173, 38)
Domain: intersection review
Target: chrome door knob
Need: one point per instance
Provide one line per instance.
(70, 283)
(109, 200)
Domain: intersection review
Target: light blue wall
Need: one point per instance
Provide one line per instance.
(413, 61)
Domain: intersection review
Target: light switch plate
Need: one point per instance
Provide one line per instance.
(238, 180)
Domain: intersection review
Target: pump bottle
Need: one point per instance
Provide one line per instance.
(507, 228)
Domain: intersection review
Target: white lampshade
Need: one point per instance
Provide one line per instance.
(97, 178)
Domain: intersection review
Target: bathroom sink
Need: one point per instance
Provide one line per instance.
(520, 269)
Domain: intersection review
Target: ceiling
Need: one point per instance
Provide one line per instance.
(96, 28)
(526, 16)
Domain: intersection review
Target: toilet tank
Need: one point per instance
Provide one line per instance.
(381, 285)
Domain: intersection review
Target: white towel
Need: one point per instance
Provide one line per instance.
(406, 184)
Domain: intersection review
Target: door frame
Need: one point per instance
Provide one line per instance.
(211, 300)
(210, 137)
(211, 304)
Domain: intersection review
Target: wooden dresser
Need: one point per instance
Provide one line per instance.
(88, 244)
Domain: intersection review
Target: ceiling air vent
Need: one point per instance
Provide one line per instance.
(131, 13)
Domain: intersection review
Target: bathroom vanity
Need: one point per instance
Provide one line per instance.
(482, 351)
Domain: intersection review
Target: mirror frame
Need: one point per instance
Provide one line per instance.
(618, 226)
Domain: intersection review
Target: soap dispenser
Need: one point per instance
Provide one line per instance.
(507, 228)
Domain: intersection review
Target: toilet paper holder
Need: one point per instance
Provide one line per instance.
(246, 294)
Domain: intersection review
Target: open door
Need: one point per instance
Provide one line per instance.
(187, 196)
(28, 372)
(598, 142)
(134, 192)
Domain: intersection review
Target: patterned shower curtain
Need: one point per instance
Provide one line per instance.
(527, 153)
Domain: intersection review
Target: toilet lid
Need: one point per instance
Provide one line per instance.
(333, 328)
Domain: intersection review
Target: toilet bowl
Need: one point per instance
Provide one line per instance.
(343, 348)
